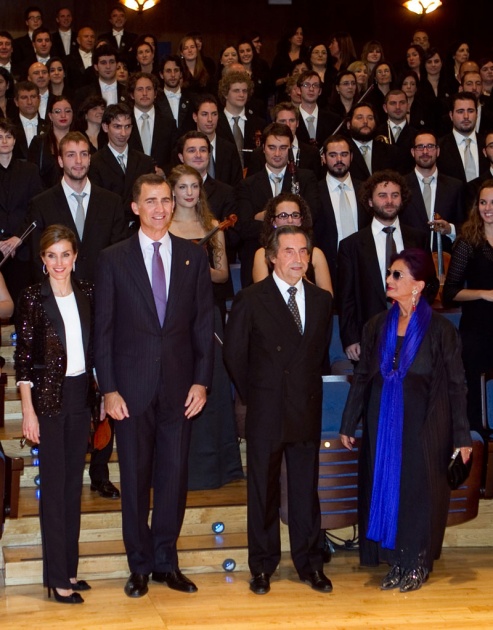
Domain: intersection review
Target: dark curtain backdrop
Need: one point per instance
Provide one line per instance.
(224, 21)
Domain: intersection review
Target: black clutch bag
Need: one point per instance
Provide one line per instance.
(457, 471)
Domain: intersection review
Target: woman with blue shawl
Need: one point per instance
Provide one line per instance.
(409, 390)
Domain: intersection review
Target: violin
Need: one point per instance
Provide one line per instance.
(224, 225)
(295, 184)
(441, 259)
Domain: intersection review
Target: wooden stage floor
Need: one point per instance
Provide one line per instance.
(458, 595)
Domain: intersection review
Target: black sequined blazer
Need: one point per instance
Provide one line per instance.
(41, 352)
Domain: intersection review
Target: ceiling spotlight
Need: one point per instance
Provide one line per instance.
(139, 5)
(422, 6)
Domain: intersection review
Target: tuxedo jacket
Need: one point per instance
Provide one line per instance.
(473, 187)
(252, 195)
(308, 158)
(449, 162)
(326, 123)
(276, 370)
(23, 51)
(57, 47)
(134, 354)
(104, 225)
(449, 204)
(254, 125)
(24, 183)
(361, 292)
(163, 136)
(126, 42)
(77, 75)
(227, 162)
(382, 157)
(185, 110)
(325, 233)
(21, 149)
(94, 88)
(222, 202)
(105, 171)
(402, 147)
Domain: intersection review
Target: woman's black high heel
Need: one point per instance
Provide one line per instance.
(74, 598)
(80, 585)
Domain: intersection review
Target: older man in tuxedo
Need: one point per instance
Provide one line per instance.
(275, 346)
(154, 340)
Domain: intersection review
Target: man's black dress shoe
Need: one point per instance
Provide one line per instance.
(318, 581)
(136, 585)
(392, 579)
(175, 580)
(106, 489)
(80, 585)
(260, 583)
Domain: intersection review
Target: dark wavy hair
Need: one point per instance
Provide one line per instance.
(270, 209)
(473, 229)
(421, 267)
(380, 177)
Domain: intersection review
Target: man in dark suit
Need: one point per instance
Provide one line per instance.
(118, 37)
(397, 131)
(363, 257)
(254, 192)
(153, 304)
(472, 82)
(23, 46)
(64, 40)
(152, 132)
(105, 83)
(173, 102)
(474, 185)
(461, 153)
(275, 346)
(433, 193)
(315, 124)
(19, 183)
(194, 149)
(369, 155)
(28, 122)
(117, 166)
(79, 62)
(341, 213)
(237, 123)
(97, 223)
(305, 156)
(225, 164)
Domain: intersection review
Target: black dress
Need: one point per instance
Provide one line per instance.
(473, 267)
(434, 422)
(214, 458)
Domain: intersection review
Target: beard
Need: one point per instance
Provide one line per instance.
(387, 212)
(365, 136)
(338, 170)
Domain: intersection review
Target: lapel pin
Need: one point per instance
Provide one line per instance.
(187, 262)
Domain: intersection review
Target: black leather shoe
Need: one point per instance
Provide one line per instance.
(392, 579)
(73, 598)
(80, 585)
(175, 580)
(318, 581)
(260, 584)
(136, 585)
(413, 579)
(106, 489)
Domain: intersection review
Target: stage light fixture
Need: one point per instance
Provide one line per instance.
(422, 6)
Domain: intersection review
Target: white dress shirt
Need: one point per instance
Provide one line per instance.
(86, 58)
(305, 115)
(460, 140)
(117, 153)
(109, 92)
(272, 183)
(380, 238)
(146, 245)
(241, 122)
(66, 37)
(72, 201)
(30, 127)
(299, 295)
(433, 188)
(138, 117)
(174, 102)
(43, 103)
(76, 360)
(335, 197)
